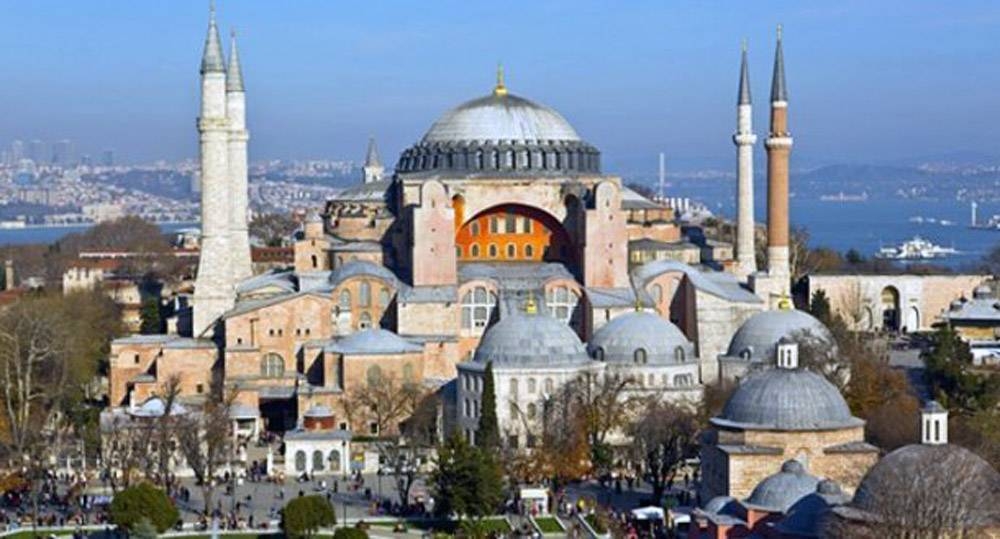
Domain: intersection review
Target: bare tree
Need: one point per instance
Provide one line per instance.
(853, 307)
(206, 440)
(164, 429)
(663, 437)
(383, 401)
(418, 433)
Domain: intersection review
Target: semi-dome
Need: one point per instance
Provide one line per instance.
(624, 335)
(759, 335)
(780, 491)
(786, 399)
(531, 340)
(501, 134)
(956, 486)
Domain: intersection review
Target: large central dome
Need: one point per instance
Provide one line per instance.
(501, 135)
(501, 117)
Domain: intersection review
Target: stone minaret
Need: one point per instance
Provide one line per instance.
(779, 145)
(239, 238)
(373, 169)
(213, 289)
(744, 138)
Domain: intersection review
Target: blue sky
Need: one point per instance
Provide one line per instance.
(868, 81)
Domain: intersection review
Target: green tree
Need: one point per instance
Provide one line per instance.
(150, 314)
(488, 432)
(305, 515)
(468, 481)
(144, 529)
(953, 382)
(143, 502)
(819, 307)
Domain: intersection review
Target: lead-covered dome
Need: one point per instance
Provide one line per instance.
(778, 492)
(759, 335)
(625, 335)
(501, 134)
(786, 399)
(530, 340)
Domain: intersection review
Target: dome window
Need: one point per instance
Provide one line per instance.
(679, 354)
(788, 354)
(640, 356)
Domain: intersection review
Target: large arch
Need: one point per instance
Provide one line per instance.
(513, 233)
(889, 303)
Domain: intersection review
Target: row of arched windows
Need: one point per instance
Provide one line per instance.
(493, 251)
(319, 463)
(477, 308)
(364, 296)
(531, 386)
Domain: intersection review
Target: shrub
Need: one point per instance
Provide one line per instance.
(305, 515)
(350, 533)
(143, 502)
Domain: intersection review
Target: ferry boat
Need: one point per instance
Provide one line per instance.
(915, 249)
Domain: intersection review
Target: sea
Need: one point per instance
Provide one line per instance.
(862, 225)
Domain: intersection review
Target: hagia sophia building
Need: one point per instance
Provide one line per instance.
(497, 239)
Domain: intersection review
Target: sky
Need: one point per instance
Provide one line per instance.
(868, 81)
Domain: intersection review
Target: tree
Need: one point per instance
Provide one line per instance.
(205, 439)
(953, 382)
(151, 323)
(663, 437)
(819, 307)
(350, 533)
(305, 515)
(143, 502)
(418, 434)
(488, 431)
(273, 229)
(467, 481)
(383, 401)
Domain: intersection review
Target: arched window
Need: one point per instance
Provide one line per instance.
(493, 251)
(474, 228)
(318, 461)
(272, 366)
(511, 250)
(640, 356)
(494, 225)
(599, 354)
(300, 461)
(526, 225)
(561, 302)
(477, 308)
(529, 251)
(383, 298)
(345, 299)
(334, 461)
(315, 261)
(682, 380)
(679, 354)
(532, 410)
(365, 294)
(365, 322)
(531, 385)
(474, 250)
(513, 387)
(408, 377)
(746, 353)
(373, 375)
(549, 386)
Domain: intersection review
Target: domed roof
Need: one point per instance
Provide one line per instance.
(786, 399)
(757, 337)
(318, 411)
(779, 491)
(373, 341)
(805, 518)
(944, 476)
(499, 117)
(530, 340)
(624, 334)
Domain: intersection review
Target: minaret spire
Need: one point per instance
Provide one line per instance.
(779, 146)
(372, 169)
(234, 75)
(779, 91)
(212, 59)
(744, 139)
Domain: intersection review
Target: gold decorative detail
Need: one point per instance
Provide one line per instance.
(638, 304)
(530, 307)
(500, 89)
(785, 304)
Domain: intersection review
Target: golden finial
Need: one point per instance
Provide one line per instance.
(638, 304)
(500, 89)
(779, 31)
(529, 306)
(784, 304)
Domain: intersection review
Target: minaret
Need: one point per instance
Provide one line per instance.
(213, 289)
(239, 238)
(779, 145)
(744, 139)
(373, 169)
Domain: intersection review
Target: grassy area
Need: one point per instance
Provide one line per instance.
(549, 525)
(42, 532)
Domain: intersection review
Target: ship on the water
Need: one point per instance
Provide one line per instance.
(916, 249)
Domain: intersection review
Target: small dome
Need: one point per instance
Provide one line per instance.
(757, 338)
(619, 339)
(946, 476)
(722, 505)
(156, 407)
(524, 340)
(373, 341)
(786, 399)
(779, 491)
(805, 518)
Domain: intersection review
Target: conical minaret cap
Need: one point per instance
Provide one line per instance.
(371, 158)
(213, 60)
(779, 91)
(744, 97)
(234, 75)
